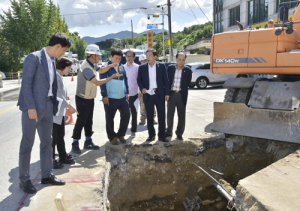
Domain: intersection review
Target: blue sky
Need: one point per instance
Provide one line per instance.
(96, 24)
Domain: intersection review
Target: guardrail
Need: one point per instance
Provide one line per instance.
(12, 75)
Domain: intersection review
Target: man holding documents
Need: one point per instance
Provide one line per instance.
(131, 70)
(153, 83)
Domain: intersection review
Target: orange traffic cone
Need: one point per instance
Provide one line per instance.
(72, 79)
(69, 118)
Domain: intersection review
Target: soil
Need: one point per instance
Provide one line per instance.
(160, 176)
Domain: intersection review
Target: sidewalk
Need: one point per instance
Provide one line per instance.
(10, 85)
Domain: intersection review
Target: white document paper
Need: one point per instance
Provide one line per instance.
(59, 103)
(137, 104)
(150, 92)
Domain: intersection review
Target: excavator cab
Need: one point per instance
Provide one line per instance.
(260, 107)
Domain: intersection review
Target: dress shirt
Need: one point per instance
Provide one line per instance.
(51, 71)
(132, 73)
(177, 80)
(152, 76)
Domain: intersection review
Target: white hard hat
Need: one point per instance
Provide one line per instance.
(142, 57)
(92, 49)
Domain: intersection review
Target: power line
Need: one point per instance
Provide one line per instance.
(85, 13)
(185, 12)
(201, 10)
(192, 11)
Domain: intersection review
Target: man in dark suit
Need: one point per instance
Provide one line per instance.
(180, 77)
(153, 83)
(38, 103)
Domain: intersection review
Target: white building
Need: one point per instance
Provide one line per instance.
(250, 14)
(144, 46)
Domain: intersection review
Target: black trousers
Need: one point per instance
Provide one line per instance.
(58, 134)
(133, 112)
(85, 108)
(175, 101)
(110, 112)
(161, 114)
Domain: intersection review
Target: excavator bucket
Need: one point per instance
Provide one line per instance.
(239, 119)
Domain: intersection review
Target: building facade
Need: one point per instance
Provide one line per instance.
(250, 14)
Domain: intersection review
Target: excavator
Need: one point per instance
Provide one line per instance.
(260, 107)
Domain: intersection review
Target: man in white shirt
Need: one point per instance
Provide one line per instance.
(131, 70)
(154, 84)
(38, 103)
(143, 60)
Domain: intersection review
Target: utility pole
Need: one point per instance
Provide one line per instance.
(132, 34)
(170, 31)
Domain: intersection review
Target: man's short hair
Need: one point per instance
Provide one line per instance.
(60, 38)
(179, 54)
(62, 63)
(130, 51)
(153, 51)
(117, 51)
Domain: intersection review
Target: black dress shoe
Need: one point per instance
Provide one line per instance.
(163, 139)
(27, 187)
(168, 134)
(179, 138)
(88, 144)
(51, 179)
(150, 138)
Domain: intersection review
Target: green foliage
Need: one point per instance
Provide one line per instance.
(188, 35)
(78, 45)
(26, 27)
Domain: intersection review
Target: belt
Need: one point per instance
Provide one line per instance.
(176, 91)
(49, 98)
(154, 89)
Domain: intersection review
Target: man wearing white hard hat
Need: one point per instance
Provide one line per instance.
(87, 83)
(143, 59)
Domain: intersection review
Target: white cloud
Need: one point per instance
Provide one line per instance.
(80, 6)
(142, 25)
(200, 20)
(130, 14)
(184, 5)
(176, 27)
(4, 5)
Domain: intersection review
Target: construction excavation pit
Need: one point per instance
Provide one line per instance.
(195, 174)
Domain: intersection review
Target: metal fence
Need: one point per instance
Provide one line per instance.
(12, 75)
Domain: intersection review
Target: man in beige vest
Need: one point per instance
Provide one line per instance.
(87, 83)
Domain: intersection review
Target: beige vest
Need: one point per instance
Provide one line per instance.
(85, 88)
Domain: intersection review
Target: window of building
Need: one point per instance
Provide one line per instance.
(218, 16)
(285, 5)
(257, 11)
(234, 15)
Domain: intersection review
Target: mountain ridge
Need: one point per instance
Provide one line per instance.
(118, 35)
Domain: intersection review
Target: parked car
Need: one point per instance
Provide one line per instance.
(74, 68)
(202, 76)
(3, 75)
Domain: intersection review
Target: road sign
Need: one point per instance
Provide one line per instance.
(150, 39)
(152, 26)
(102, 51)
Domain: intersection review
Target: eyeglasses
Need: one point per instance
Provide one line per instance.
(129, 56)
